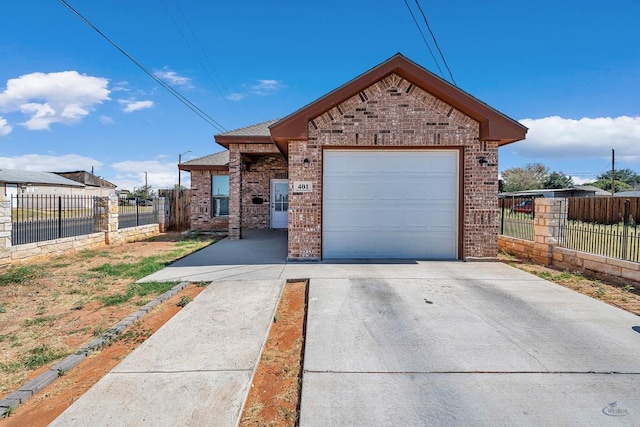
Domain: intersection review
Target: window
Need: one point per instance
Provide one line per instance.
(219, 195)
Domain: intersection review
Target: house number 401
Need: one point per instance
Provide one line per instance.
(302, 186)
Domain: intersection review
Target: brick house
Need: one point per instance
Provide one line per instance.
(396, 163)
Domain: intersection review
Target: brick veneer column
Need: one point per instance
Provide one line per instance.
(235, 193)
(548, 215)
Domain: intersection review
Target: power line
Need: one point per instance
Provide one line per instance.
(162, 83)
(193, 50)
(435, 42)
(424, 38)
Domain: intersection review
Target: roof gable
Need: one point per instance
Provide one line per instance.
(215, 161)
(258, 133)
(494, 126)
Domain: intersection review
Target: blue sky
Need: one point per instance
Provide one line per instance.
(570, 71)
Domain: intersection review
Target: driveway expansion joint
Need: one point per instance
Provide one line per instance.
(473, 372)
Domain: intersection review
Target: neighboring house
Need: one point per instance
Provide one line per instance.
(630, 193)
(575, 191)
(16, 182)
(94, 185)
(397, 163)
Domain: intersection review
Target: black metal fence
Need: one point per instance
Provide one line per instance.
(37, 218)
(134, 212)
(602, 225)
(517, 216)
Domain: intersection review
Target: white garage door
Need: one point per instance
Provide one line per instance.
(390, 204)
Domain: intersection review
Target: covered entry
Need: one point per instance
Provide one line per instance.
(390, 204)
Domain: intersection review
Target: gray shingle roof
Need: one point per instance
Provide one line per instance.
(15, 176)
(216, 159)
(260, 129)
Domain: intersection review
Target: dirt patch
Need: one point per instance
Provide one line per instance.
(612, 290)
(44, 407)
(51, 308)
(275, 392)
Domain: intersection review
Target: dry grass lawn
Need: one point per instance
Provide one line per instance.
(51, 308)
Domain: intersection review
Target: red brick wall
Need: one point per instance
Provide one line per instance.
(201, 203)
(256, 182)
(250, 178)
(395, 113)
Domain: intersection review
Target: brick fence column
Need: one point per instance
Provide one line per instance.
(235, 193)
(549, 213)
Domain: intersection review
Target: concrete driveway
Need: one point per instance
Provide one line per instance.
(414, 343)
(465, 344)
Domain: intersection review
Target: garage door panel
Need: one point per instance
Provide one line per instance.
(361, 190)
(335, 192)
(398, 204)
(443, 163)
(443, 218)
(338, 164)
(389, 191)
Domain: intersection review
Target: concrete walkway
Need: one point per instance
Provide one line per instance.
(259, 255)
(195, 371)
(415, 343)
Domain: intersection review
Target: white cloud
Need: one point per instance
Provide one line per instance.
(5, 129)
(160, 174)
(50, 163)
(173, 78)
(131, 106)
(266, 87)
(106, 120)
(577, 180)
(46, 98)
(261, 88)
(236, 96)
(557, 137)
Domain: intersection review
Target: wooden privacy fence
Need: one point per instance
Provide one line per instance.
(604, 210)
(179, 204)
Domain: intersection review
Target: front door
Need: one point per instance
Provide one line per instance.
(279, 203)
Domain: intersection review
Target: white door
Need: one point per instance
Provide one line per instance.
(390, 204)
(279, 203)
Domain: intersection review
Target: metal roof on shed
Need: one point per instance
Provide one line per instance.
(16, 176)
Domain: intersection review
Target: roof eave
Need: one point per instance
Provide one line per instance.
(225, 140)
(203, 167)
(494, 126)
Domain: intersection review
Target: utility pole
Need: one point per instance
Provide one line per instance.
(613, 171)
(146, 187)
(179, 191)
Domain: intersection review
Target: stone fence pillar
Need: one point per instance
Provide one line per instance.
(163, 214)
(5, 232)
(549, 213)
(108, 211)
